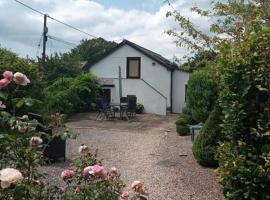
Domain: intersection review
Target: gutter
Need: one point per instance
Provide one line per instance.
(171, 91)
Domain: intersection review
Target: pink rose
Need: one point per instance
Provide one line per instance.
(67, 173)
(77, 190)
(35, 141)
(25, 117)
(83, 149)
(125, 195)
(2, 105)
(21, 79)
(9, 176)
(3, 83)
(86, 170)
(8, 75)
(96, 170)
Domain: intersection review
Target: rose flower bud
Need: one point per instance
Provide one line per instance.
(125, 195)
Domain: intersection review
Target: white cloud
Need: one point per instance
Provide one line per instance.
(21, 27)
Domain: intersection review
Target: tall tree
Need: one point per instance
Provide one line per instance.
(92, 50)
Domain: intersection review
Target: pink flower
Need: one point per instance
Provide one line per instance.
(125, 195)
(2, 105)
(96, 170)
(35, 141)
(137, 186)
(8, 75)
(21, 79)
(114, 170)
(25, 117)
(3, 83)
(77, 190)
(86, 170)
(83, 149)
(67, 173)
(9, 176)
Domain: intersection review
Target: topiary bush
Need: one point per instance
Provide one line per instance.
(201, 94)
(139, 108)
(182, 127)
(206, 143)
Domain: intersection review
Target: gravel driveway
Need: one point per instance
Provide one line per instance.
(147, 149)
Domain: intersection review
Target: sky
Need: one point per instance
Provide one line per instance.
(141, 21)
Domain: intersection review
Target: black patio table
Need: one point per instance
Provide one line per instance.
(118, 105)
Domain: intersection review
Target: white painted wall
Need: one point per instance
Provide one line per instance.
(180, 79)
(157, 76)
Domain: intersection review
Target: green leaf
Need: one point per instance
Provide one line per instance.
(20, 103)
(3, 95)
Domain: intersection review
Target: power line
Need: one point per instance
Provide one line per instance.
(61, 40)
(73, 27)
(57, 20)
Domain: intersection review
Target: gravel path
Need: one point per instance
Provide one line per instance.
(147, 149)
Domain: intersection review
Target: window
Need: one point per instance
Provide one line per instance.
(133, 67)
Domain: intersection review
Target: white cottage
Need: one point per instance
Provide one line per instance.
(157, 82)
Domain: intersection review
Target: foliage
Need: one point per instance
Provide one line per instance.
(206, 143)
(139, 108)
(201, 94)
(60, 65)
(244, 172)
(200, 60)
(92, 50)
(240, 35)
(69, 95)
(182, 127)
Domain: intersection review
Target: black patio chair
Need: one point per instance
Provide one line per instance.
(104, 109)
(35, 116)
(130, 109)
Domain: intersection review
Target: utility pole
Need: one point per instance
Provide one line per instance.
(45, 37)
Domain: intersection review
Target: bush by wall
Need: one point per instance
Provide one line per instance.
(139, 108)
(201, 94)
(206, 143)
(69, 95)
(182, 127)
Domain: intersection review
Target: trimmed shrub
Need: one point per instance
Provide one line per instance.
(182, 127)
(201, 94)
(139, 108)
(186, 111)
(206, 143)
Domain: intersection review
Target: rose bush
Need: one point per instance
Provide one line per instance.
(21, 155)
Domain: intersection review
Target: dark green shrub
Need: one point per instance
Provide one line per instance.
(70, 95)
(186, 110)
(182, 127)
(181, 121)
(139, 108)
(206, 143)
(201, 94)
